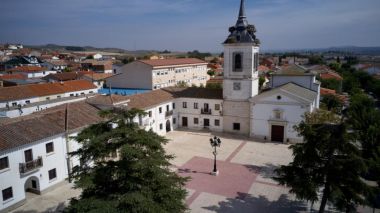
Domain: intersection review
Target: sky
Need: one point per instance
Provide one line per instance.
(184, 25)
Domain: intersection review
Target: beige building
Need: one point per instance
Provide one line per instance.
(160, 73)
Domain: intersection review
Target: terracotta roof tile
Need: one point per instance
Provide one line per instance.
(12, 76)
(331, 75)
(47, 123)
(325, 91)
(28, 69)
(37, 90)
(98, 76)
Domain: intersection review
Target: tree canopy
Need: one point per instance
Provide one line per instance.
(125, 169)
(328, 160)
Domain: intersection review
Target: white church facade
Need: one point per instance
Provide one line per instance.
(240, 108)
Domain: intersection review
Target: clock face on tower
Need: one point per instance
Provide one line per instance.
(237, 86)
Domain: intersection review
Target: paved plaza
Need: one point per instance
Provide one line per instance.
(245, 167)
(244, 183)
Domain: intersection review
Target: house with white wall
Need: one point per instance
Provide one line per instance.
(33, 151)
(22, 100)
(160, 73)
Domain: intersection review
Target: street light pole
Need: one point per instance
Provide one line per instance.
(215, 142)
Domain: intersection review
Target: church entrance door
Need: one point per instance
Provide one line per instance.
(277, 133)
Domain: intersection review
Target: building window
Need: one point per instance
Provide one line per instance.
(167, 108)
(161, 126)
(49, 147)
(195, 105)
(196, 120)
(150, 114)
(7, 193)
(160, 110)
(174, 120)
(237, 86)
(14, 104)
(236, 126)
(238, 66)
(4, 163)
(184, 105)
(52, 174)
(27, 102)
(256, 63)
(173, 105)
(217, 106)
(216, 122)
(277, 114)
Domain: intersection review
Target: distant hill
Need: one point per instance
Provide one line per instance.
(343, 49)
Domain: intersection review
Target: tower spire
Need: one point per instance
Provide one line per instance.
(242, 9)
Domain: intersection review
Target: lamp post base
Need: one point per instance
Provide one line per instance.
(215, 173)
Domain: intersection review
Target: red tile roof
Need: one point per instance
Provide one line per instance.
(28, 129)
(263, 68)
(325, 91)
(98, 76)
(27, 69)
(38, 90)
(331, 75)
(173, 62)
(12, 76)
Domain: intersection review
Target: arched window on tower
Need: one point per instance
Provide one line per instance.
(238, 66)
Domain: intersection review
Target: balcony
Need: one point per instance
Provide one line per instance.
(168, 113)
(205, 111)
(31, 165)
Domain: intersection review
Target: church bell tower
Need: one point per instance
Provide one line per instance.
(241, 60)
(240, 82)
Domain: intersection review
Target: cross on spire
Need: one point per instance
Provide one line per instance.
(242, 9)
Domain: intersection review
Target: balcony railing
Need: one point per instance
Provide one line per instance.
(168, 113)
(31, 165)
(206, 111)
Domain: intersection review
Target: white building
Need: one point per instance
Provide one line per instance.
(33, 151)
(22, 100)
(160, 73)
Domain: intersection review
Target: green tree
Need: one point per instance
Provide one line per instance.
(331, 84)
(214, 86)
(315, 59)
(211, 73)
(261, 81)
(137, 180)
(182, 84)
(332, 103)
(327, 161)
(90, 57)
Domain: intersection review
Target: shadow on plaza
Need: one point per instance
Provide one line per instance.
(189, 171)
(59, 208)
(247, 203)
(266, 171)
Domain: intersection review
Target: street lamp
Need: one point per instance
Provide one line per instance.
(215, 142)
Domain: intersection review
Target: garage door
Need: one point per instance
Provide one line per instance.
(277, 133)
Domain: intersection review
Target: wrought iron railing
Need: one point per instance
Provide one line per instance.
(206, 111)
(31, 165)
(168, 113)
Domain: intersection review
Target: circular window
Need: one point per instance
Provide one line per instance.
(279, 97)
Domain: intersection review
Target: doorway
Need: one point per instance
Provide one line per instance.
(32, 185)
(277, 133)
(168, 126)
(184, 121)
(206, 122)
